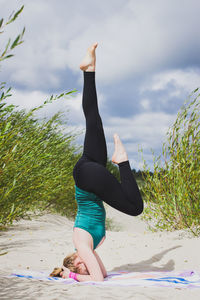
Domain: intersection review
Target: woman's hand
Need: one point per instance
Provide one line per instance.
(65, 272)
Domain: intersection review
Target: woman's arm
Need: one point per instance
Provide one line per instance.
(103, 269)
(92, 264)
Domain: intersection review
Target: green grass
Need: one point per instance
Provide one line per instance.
(172, 192)
(36, 163)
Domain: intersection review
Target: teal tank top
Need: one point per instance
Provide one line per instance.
(91, 214)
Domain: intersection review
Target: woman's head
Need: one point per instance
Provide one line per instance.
(74, 263)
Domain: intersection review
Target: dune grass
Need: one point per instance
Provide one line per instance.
(172, 192)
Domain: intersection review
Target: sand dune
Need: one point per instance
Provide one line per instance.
(42, 243)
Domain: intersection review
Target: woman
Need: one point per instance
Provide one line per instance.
(94, 184)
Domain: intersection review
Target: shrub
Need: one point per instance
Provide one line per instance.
(36, 158)
(36, 162)
(172, 193)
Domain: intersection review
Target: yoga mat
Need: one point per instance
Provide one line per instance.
(184, 279)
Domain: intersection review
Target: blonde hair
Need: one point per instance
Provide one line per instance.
(68, 262)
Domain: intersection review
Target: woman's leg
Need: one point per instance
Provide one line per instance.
(124, 196)
(94, 143)
(90, 173)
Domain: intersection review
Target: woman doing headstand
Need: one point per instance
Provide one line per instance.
(95, 184)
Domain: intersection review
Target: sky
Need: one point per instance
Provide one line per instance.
(148, 62)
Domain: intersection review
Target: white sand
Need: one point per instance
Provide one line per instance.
(42, 243)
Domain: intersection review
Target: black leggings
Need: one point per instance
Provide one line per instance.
(90, 173)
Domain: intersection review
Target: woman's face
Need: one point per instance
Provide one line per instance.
(78, 262)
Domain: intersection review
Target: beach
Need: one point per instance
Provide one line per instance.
(41, 244)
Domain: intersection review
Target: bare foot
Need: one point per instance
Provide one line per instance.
(119, 154)
(88, 62)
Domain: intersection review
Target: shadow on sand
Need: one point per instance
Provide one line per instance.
(147, 265)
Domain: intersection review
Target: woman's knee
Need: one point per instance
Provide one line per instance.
(140, 210)
(137, 210)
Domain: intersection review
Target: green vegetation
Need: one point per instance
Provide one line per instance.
(36, 158)
(172, 192)
(17, 41)
(36, 161)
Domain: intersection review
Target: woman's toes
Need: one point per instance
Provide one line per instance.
(93, 47)
(88, 63)
(120, 154)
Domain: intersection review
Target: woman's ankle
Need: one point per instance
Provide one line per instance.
(90, 69)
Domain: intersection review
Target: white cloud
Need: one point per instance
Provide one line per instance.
(146, 130)
(181, 80)
(145, 103)
(70, 106)
(27, 99)
(134, 37)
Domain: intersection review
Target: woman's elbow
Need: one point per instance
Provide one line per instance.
(98, 279)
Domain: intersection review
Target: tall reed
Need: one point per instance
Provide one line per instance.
(36, 161)
(36, 158)
(172, 192)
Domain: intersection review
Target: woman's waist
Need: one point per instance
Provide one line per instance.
(91, 227)
(90, 217)
(90, 207)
